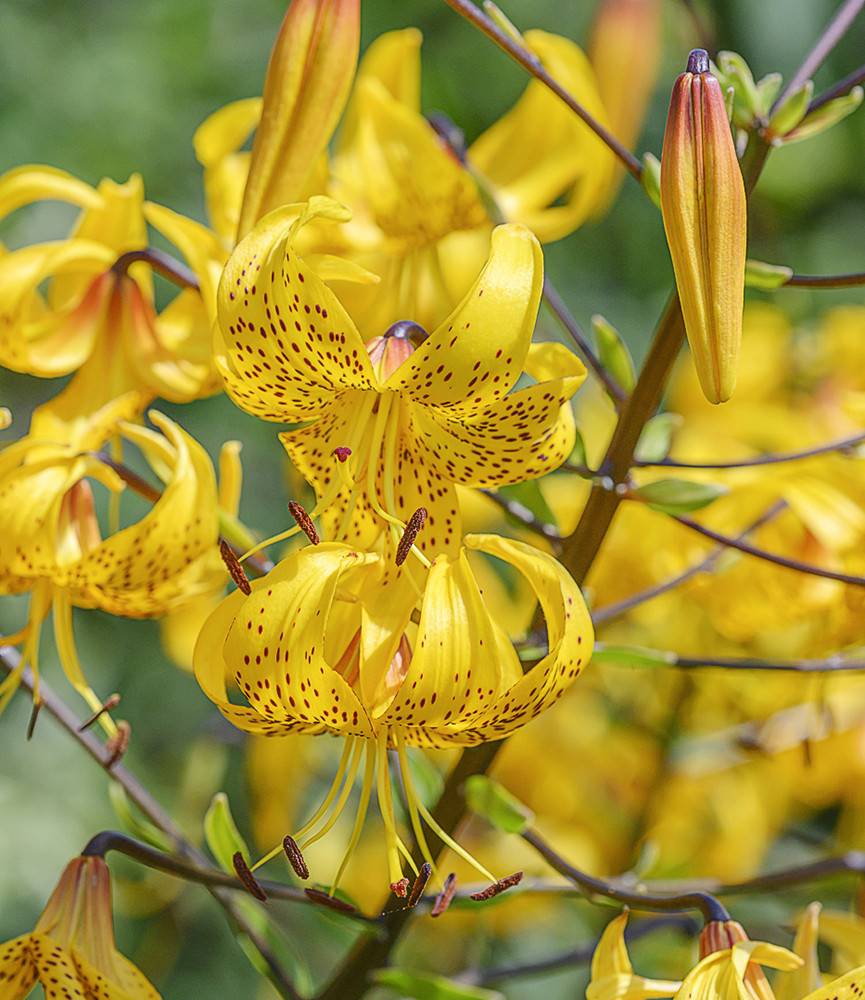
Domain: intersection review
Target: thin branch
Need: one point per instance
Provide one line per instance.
(161, 262)
(530, 62)
(618, 608)
(771, 459)
(638, 897)
(573, 956)
(771, 557)
(9, 661)
(522, 514)
(826, 280)
(839, 89)
(831, 664)
(831, 36)
(558, 308)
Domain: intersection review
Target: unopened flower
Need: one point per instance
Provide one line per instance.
(390, 427)
(71, 951)
(53, 545)
(65, 306)
(330, 641)
(705, 217)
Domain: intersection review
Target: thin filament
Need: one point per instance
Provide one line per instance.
(340, 804)
(386, 806)
(39, 604)
(360, 818)
(451, 843)
(411, 797)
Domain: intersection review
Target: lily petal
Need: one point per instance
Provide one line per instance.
(36, 182)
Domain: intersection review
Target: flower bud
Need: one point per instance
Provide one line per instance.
(705, 217)
(718, 935)
(308, 79)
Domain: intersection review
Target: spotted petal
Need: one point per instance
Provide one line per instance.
(286, 345)
(17, 968)
(487, 337)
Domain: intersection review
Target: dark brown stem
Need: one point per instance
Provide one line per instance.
(558, 308)
(530, 62)
(771, 557)
(163, 263)
(826, 280)
(839, 89)
(748, 463)
(139, 795)
(831, 36)
(638, 898)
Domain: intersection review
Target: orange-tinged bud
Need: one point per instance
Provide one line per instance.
(705, 217)
(308, 79)
(719, 935)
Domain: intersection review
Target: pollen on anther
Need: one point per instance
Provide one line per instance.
(304, 521)
(443, 900)
(245, 875)
(412, 529)
(232, 564)
(296, 859)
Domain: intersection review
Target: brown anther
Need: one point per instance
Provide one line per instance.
(250, 882)
(232, 564)
(400, 888)
(415, 523)
(111, 702)
(343, 454)
(420, 883)
(296, 859)
(303, 521)
(508, 882)
(34, 715)
(118, 744)
(331, 902)
(443, 900)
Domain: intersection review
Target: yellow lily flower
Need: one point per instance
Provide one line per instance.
(71, 951)
(94, 317)
(613, 975)
(289, 351)
(418, 218)
(845, 934)
(51, 542)
(805, 979)
(723, 975)
(331, 641)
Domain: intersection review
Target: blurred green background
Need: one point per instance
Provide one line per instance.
(105, 88)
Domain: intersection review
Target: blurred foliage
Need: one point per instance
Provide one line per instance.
(105, 88)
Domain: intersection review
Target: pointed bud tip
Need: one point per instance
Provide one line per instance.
(698, 61)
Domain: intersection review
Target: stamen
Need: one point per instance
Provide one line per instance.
(360, 816)
(34, 715)
(420, 884)
(347, 786)
(250, 882)
(296, 859)
(385, 800)
(347, 753)
(443, 900)
(412, 530)
(232, 564)
(118, 743)
(446, 838)
(508, 882)
(343, 454)
(111, 702)
(340, 905)
(304, 521)
(400, 888)
(411, 797)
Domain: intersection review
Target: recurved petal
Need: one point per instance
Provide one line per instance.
(138, 571)
(478, 352)
(17, 968)
(569, 638)
(848, 987)
(286, 346)
(36, 182)
(796, 984)
(308, 80)
(276, 647)
(461, 660)
(612, 973)
(226, 130)
(125, 982)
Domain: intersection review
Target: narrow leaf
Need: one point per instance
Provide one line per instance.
(759, 274)
(792, 111)
(678, 496)
(424, 986)
(221, 833)
(613, 353)
(632, 656)
(824, 118)
(495, 803)
(650, 178)
(132, 822)
(657, 436)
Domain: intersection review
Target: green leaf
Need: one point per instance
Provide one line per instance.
(792, 111)
(733, 71)
(495, 803)
(133, 823)
(632, 656)
(650, 178)
(767, 89)
(578, 455)
(759, 274)
(425, 986)
(614, 355)
(824, 118)
(290, 957)
(657, 435)
(529, 495)
(221, 833)
(678, 496)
